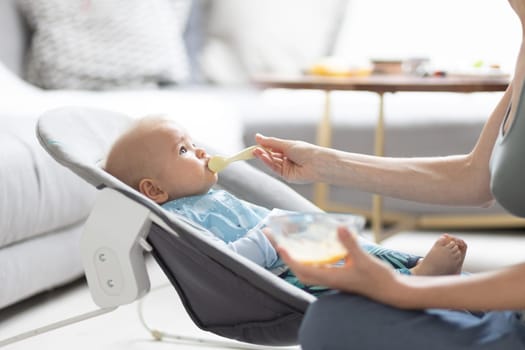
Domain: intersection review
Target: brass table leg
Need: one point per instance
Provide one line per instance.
(379, 150)
(324, 138)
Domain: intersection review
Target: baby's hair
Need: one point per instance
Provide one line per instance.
(127, 158)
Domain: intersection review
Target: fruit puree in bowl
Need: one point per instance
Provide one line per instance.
(311, 238)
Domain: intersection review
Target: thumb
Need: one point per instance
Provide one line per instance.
(349, 240)
(270, 142)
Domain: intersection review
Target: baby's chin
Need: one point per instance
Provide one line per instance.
(211, 185)
(216, 178)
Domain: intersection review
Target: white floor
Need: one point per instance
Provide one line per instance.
(119, 329)
(122, 329)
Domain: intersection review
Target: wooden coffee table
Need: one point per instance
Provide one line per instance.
(382, 84)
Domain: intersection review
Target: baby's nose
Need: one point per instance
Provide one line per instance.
(201, 153)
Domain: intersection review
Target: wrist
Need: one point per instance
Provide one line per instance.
(324, 161)
(399, 294)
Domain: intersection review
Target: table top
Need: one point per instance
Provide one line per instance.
(385, 83)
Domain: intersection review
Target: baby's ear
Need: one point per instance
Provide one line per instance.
(149, 188)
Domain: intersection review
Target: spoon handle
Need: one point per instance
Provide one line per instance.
(245, 154)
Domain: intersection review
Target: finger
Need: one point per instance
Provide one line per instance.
(308, 274)
(294, 265)
(349, 240)
(261, 150)
(268, 233)
(269, 142)
(272, 163)
(262, 140)
(262, 154)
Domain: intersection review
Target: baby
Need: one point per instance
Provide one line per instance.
(157, 157)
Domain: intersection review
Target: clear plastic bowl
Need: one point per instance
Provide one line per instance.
(311, 238)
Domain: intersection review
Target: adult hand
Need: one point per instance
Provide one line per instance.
(292, 160)
(361, 272)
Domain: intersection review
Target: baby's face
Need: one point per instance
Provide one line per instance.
(183, 167)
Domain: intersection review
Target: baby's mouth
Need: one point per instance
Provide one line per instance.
(206, 165)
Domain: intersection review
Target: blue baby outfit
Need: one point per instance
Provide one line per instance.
(233, 221)
(238, 224)
(227, 216)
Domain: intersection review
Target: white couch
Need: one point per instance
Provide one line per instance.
(44, 205)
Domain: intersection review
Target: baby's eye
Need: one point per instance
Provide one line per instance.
(183, 150)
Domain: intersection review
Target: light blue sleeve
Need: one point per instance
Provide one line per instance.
(255, 247)
(252, 244)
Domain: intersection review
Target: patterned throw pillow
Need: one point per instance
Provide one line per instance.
(106, 44)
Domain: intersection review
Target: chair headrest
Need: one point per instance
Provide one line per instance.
(79, 137)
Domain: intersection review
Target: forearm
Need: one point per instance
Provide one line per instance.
(455, 180)
(440, 180)
(498, 290)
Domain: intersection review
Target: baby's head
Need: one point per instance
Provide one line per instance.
(158, 158)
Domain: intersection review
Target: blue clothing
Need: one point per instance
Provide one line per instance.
(227, 216)
(238, 224)
(233, 221)
(338, 320)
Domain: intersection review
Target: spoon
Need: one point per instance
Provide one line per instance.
(218, 163)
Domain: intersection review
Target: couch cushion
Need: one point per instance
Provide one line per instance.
(38, 195)
(11, 84)
(105, 44)
(40, 264)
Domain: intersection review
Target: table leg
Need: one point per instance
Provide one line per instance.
(324, 138)
(379, 150)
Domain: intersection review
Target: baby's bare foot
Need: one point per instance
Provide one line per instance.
(444, 258)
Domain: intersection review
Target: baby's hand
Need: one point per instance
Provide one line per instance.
(268, 233)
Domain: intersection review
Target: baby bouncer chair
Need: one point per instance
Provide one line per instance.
(222, 292)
